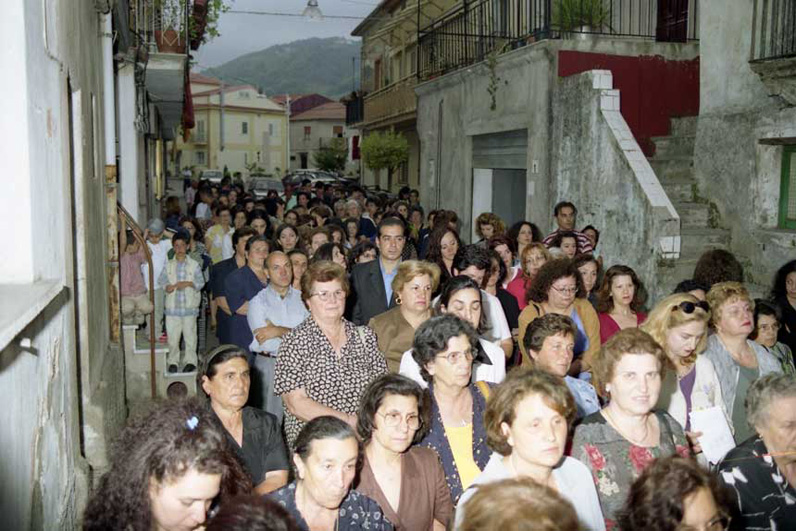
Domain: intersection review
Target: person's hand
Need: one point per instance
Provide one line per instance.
(184, 284)
(693, 440)
(146, 234)
(261, 334)
(170, 288)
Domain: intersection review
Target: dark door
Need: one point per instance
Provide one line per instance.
(304, 160)
(672, 21)
(508, 195)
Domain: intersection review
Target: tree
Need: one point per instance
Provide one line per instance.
(385, 151)
(332, 157)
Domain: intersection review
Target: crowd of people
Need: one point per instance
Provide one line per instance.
(377, 372)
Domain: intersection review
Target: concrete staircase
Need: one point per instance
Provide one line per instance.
(673, 164)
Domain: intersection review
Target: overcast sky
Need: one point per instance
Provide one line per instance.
(241, 34)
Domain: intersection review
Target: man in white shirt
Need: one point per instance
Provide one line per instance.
(158, 240)
(272, 313)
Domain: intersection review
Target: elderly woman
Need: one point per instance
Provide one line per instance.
(527, 420)
(620, 441)
(550, 342)
(326, 458)
(761, 471)
(558, 288)
(166, 470)
(679, 323)
(675, 494)
(216, 236)
(738, 360)
(253, 434)
(783, 293)
(406, 481)
(619, 301)
(768, 317)
(462, 298)
(488, 225)
(533, 257)
(326, 362)
(241, 285)
(412, 285)
(444, 348)
(443, 245)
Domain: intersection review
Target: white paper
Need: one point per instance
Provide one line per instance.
(716, 439)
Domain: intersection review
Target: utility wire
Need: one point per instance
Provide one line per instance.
(297, 15)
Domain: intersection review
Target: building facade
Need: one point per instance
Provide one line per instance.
(317, 128)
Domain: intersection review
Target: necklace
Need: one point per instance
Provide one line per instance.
(623, 433)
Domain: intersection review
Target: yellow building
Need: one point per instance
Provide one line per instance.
(235, 127)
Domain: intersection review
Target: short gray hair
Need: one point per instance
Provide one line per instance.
(763, 392)
(354, 203)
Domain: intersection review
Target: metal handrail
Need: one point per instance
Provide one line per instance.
(139, 237)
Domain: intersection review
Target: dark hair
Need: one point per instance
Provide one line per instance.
(472, 255)
(558, 239)
(502, 271)
(547, 276)
(581, 259)
(217, 356)
(245, 513)
(377, 391)
(181, 235)
(199, 234)
(455, 284)
(689, 285)
(545, 326)
(514, 231)
(596, 233)
(278, 234)
(323, 427)
(221, 207)
(326, 251)
(434, 253)
(416, 208)
(358, 250)
(242, 233)
(175, 437)
(764, 307)
(605, 302)
(564, 204)
(497, 241)
(718, 265)
(391, 221)
(431, 338)
(258, 238)
(302, 252)
(656, 499)
(259, 213)
(778, 290)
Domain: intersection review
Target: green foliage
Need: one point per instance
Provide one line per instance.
(569, 15)
(321, 66)
(332, 157)
(385, 151)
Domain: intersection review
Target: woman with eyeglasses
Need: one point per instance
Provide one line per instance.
(407, 481)
(738, 360)
(413, 285)
(679, 323)
(768, 317)
(676, 494)
(444, 348)
(558, 288)
(325, 363)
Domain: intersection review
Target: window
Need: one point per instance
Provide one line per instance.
(270, 129)
(244, 128)
(337, 131)
(787, 194)
(307, 132)
(245, 159)
(200, 158)
(200, 131)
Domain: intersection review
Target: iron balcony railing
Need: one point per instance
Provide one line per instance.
(474, 29)
(355, 110)
(160, 25)
(774, 29)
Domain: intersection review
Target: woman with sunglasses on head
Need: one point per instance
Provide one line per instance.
(407, 481)
(679, 323)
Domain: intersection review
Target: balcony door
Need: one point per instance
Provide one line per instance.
(672, 21)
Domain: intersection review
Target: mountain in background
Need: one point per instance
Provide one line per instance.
(314, 65)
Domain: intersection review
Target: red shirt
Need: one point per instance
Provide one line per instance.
(609, 327)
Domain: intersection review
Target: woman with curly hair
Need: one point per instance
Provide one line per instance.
(619, 301)
(784, 294)
(488, 225)
(558, 288)
(675, 494)
(166, 470)
(523, 233)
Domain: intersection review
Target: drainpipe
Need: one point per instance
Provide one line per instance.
(111, 192)
(287, 142)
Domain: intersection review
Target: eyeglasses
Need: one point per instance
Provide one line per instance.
(393, 419)
(719, 523)
(566, 291)
(455, 357)
(325, 296)
(773, 327)
(690, 307)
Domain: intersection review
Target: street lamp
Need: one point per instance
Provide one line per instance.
(312, 11)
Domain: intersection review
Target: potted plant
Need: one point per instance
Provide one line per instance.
(204, 21)
(580, 16)
(169, 37)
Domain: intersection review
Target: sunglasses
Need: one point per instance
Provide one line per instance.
(690, 307)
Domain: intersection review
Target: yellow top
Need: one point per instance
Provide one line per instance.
(461, 441)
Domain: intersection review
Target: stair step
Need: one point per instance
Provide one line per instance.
(685, 125)
(666, 146)
(692, 215)
(667, 168)
(679, 190)
(697, 241)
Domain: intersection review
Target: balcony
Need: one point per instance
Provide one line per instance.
(392, 104)
(473, 30)
(199, 137)
(354, 110)
(773, 54)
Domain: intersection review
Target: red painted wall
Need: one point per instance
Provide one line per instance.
(652, 89)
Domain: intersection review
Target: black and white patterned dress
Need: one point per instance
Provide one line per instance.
(307, 361)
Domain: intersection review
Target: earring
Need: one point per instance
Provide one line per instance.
(607, 388)
(398, 300)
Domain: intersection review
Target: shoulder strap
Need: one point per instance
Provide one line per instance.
(483, 387)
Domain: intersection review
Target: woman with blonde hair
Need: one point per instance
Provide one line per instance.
(532, 258)
(679, 323)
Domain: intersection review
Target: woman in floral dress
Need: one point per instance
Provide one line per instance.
(618, 442)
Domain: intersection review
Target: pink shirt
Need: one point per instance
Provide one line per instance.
(609, 327)
(132, 280)
(517, 287)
